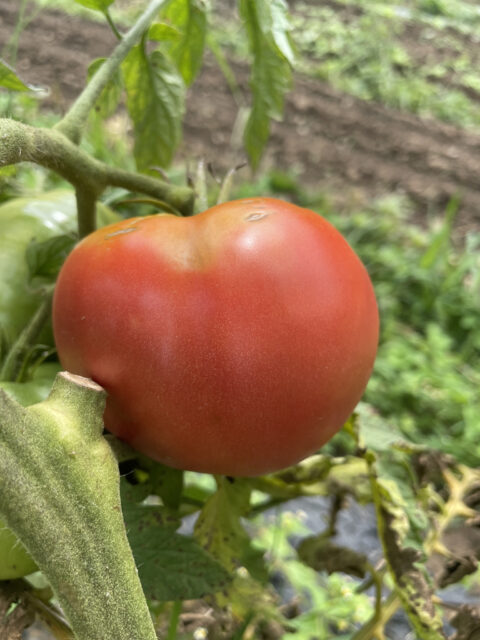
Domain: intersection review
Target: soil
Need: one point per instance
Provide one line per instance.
(352, 148)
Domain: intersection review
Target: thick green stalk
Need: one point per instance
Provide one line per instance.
(74, 120)
(59, 493)
(86, 211)
(51, 149)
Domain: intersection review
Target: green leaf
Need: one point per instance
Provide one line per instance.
(96, 5)
(219, 529)
(405, 562)
(110, 96)
(155, 102)
(267, 30)
(393, 468)
(190, 17)
(273, 22)
(170, 566)
(165, 482)
(378, 434)
(35, 389)
(161, 32)
(10, 80)
(44, 259)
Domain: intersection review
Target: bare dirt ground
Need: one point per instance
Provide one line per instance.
(354, 148)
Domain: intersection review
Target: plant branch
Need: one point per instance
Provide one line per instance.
(112, 25)
(53, 150)
(86, 210)
(73, 122)
(174, 618)
(374, 628)
(58, 472)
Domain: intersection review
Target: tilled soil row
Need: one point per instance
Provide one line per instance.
(360, 148)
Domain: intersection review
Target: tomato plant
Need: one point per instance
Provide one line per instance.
(237, 341)
(23, 220)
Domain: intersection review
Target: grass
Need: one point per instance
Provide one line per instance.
(372, 57)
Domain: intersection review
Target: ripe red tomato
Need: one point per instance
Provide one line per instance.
(237, 341)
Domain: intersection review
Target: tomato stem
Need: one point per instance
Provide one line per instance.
(72, 124)
(112, 25)
(51, 149)
(227, 183)
(86, 211)
(174, 619)
(57, 471)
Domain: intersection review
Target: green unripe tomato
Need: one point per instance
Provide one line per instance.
(15, 562)
(21, 221)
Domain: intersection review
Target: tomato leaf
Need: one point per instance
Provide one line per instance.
(110, 96)
(401, 520)
(164, 481)
(376, 433)
(161, 32)
(96, 5)
(155, 102)
(220, 531)
(10, 80)
(190, 17)
(267, 30)
(170, 566)
(35, 389)
(44, 259)
(405, 560)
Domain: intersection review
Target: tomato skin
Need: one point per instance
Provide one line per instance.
(236, 342)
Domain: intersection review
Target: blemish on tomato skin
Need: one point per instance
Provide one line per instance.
(254, 217)
(120, 232)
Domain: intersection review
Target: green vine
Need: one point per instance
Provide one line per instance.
(90, 177)
(58, 472)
